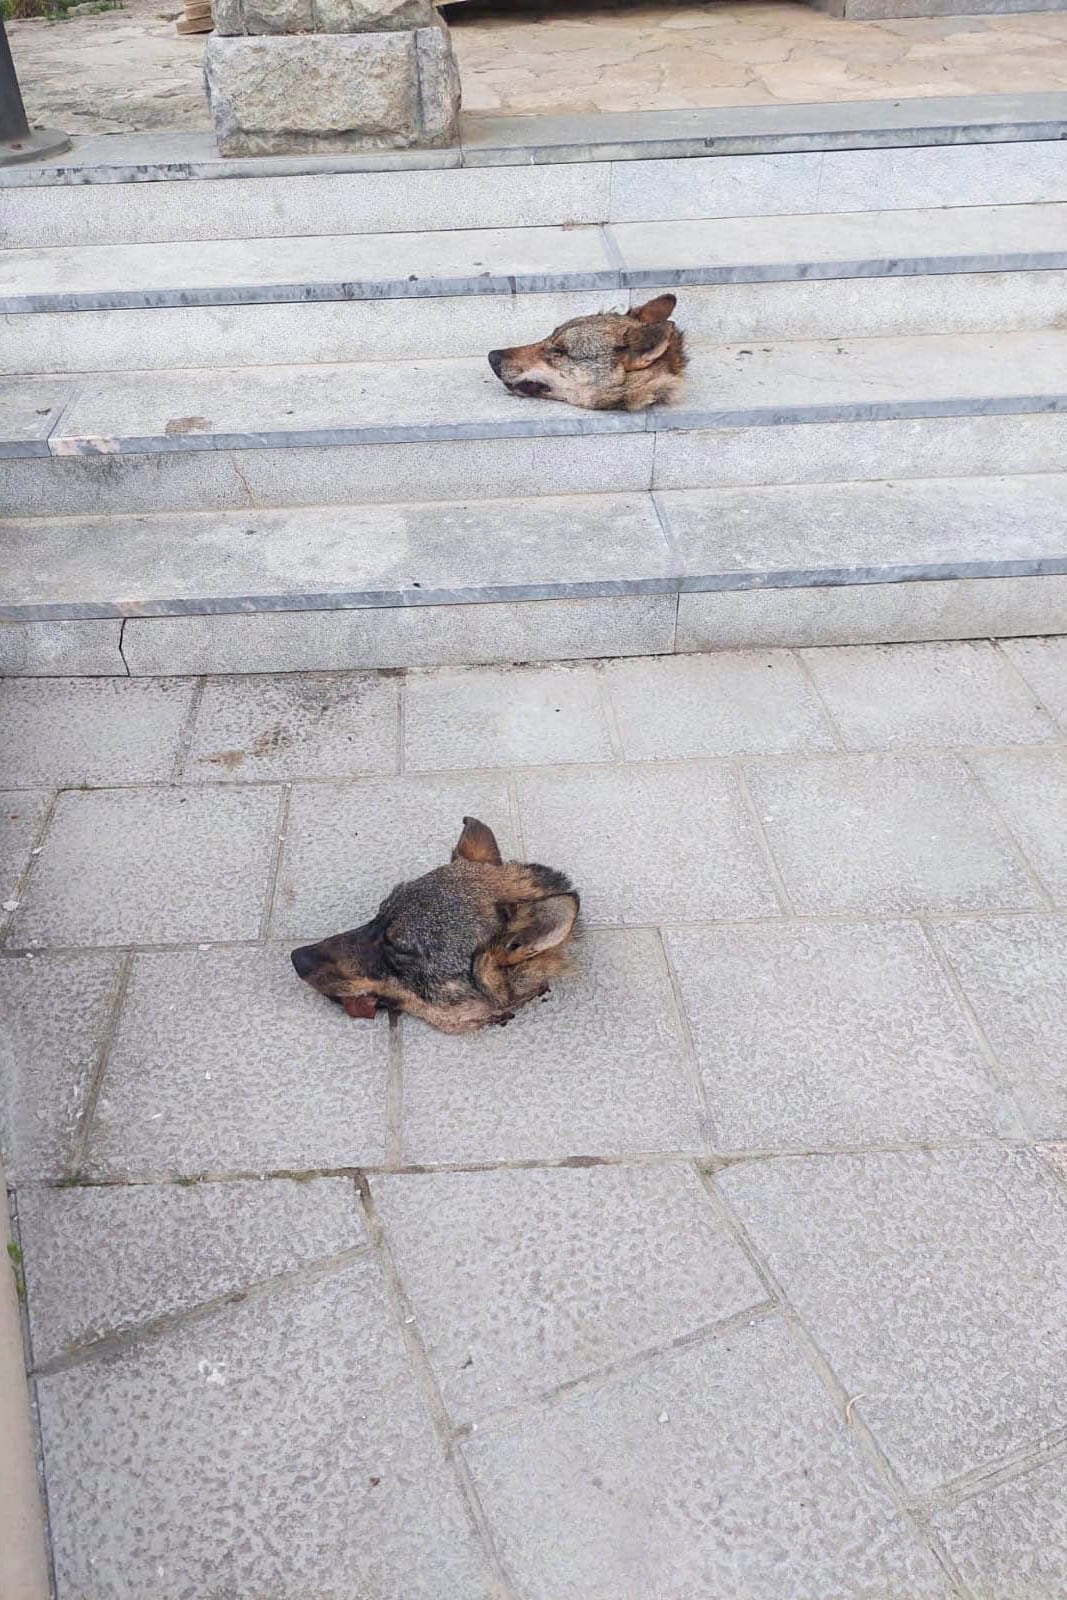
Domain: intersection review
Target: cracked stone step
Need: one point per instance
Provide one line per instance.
(504, 261)
(728, 386)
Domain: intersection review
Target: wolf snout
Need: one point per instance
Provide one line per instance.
(305, 960)
(496, 360)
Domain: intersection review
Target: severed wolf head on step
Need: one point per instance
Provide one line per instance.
(614, 361)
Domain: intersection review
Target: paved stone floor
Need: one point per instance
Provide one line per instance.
(734, 1270)
(127, 69)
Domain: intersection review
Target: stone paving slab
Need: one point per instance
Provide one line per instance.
(54, 1015)
(721, 1470)
(1012, 1540)
(151, 866)
(883, 1255)
(1030, 790)
(634, 841)
(522, 1281)
(84, 731)
(1012, 973)
(108, 1259)
(313, 725)
(223, 1062)
(346, 845)
(280, 1447)
(547, 1365)
(596, 1068)
(887, 833)
(894, 696)
(832, 1035)
(514, 717)
(756, 703)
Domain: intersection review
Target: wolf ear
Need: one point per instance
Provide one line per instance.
(477, 843)
(658, 310)
(535, 926)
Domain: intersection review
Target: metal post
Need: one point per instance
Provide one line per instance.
(18, 142)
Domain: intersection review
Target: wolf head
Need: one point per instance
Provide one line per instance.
(462, 946)
(615, 361)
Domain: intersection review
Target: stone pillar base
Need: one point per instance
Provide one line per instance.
(319, 93)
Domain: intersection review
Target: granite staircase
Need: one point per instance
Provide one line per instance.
(247, 424)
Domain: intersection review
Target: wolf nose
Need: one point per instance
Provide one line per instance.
(496, 360)
(305, 960)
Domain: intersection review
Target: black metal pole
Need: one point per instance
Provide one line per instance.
(17, 141)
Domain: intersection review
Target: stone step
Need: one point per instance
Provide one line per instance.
(183, 202)
(549, 578)
(728, 386)
(439, 327)
(509, 261)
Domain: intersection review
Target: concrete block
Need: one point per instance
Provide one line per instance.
(337, 1470)
(421, 636)
(311, 725)
(74, 732)
(716, 1470)
(888, 697)
(887, 833)
(1011, 971)
(303, 1089)
(319, 16)
(597, 1068)
(29, 410)
(150, 866)
(346, 845)
(934, 1283)
(818, 1036)
(1029, 788)
(54, 1014)
(504, 718)
(48, 649)
(275, 95)
(873, 613)
(634, 839)
(181, 1246)
(521, 1281)
(758, 703)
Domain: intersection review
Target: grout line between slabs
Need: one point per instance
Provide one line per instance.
(1017, 672)
(25, 877)
(804, 665)
(274, 870)
(843, 1402)
(427, 1383)
(607, 709)
(978, 1032)
(157, 1327)
(982, 1480)
(401, 716)
(1022, 855)
(689, 1051)
(759, 1311)
(394, 1093)
(83, 1131)
(185, 737)
(762, 842)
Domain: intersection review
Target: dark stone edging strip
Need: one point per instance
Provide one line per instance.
(592, 589)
